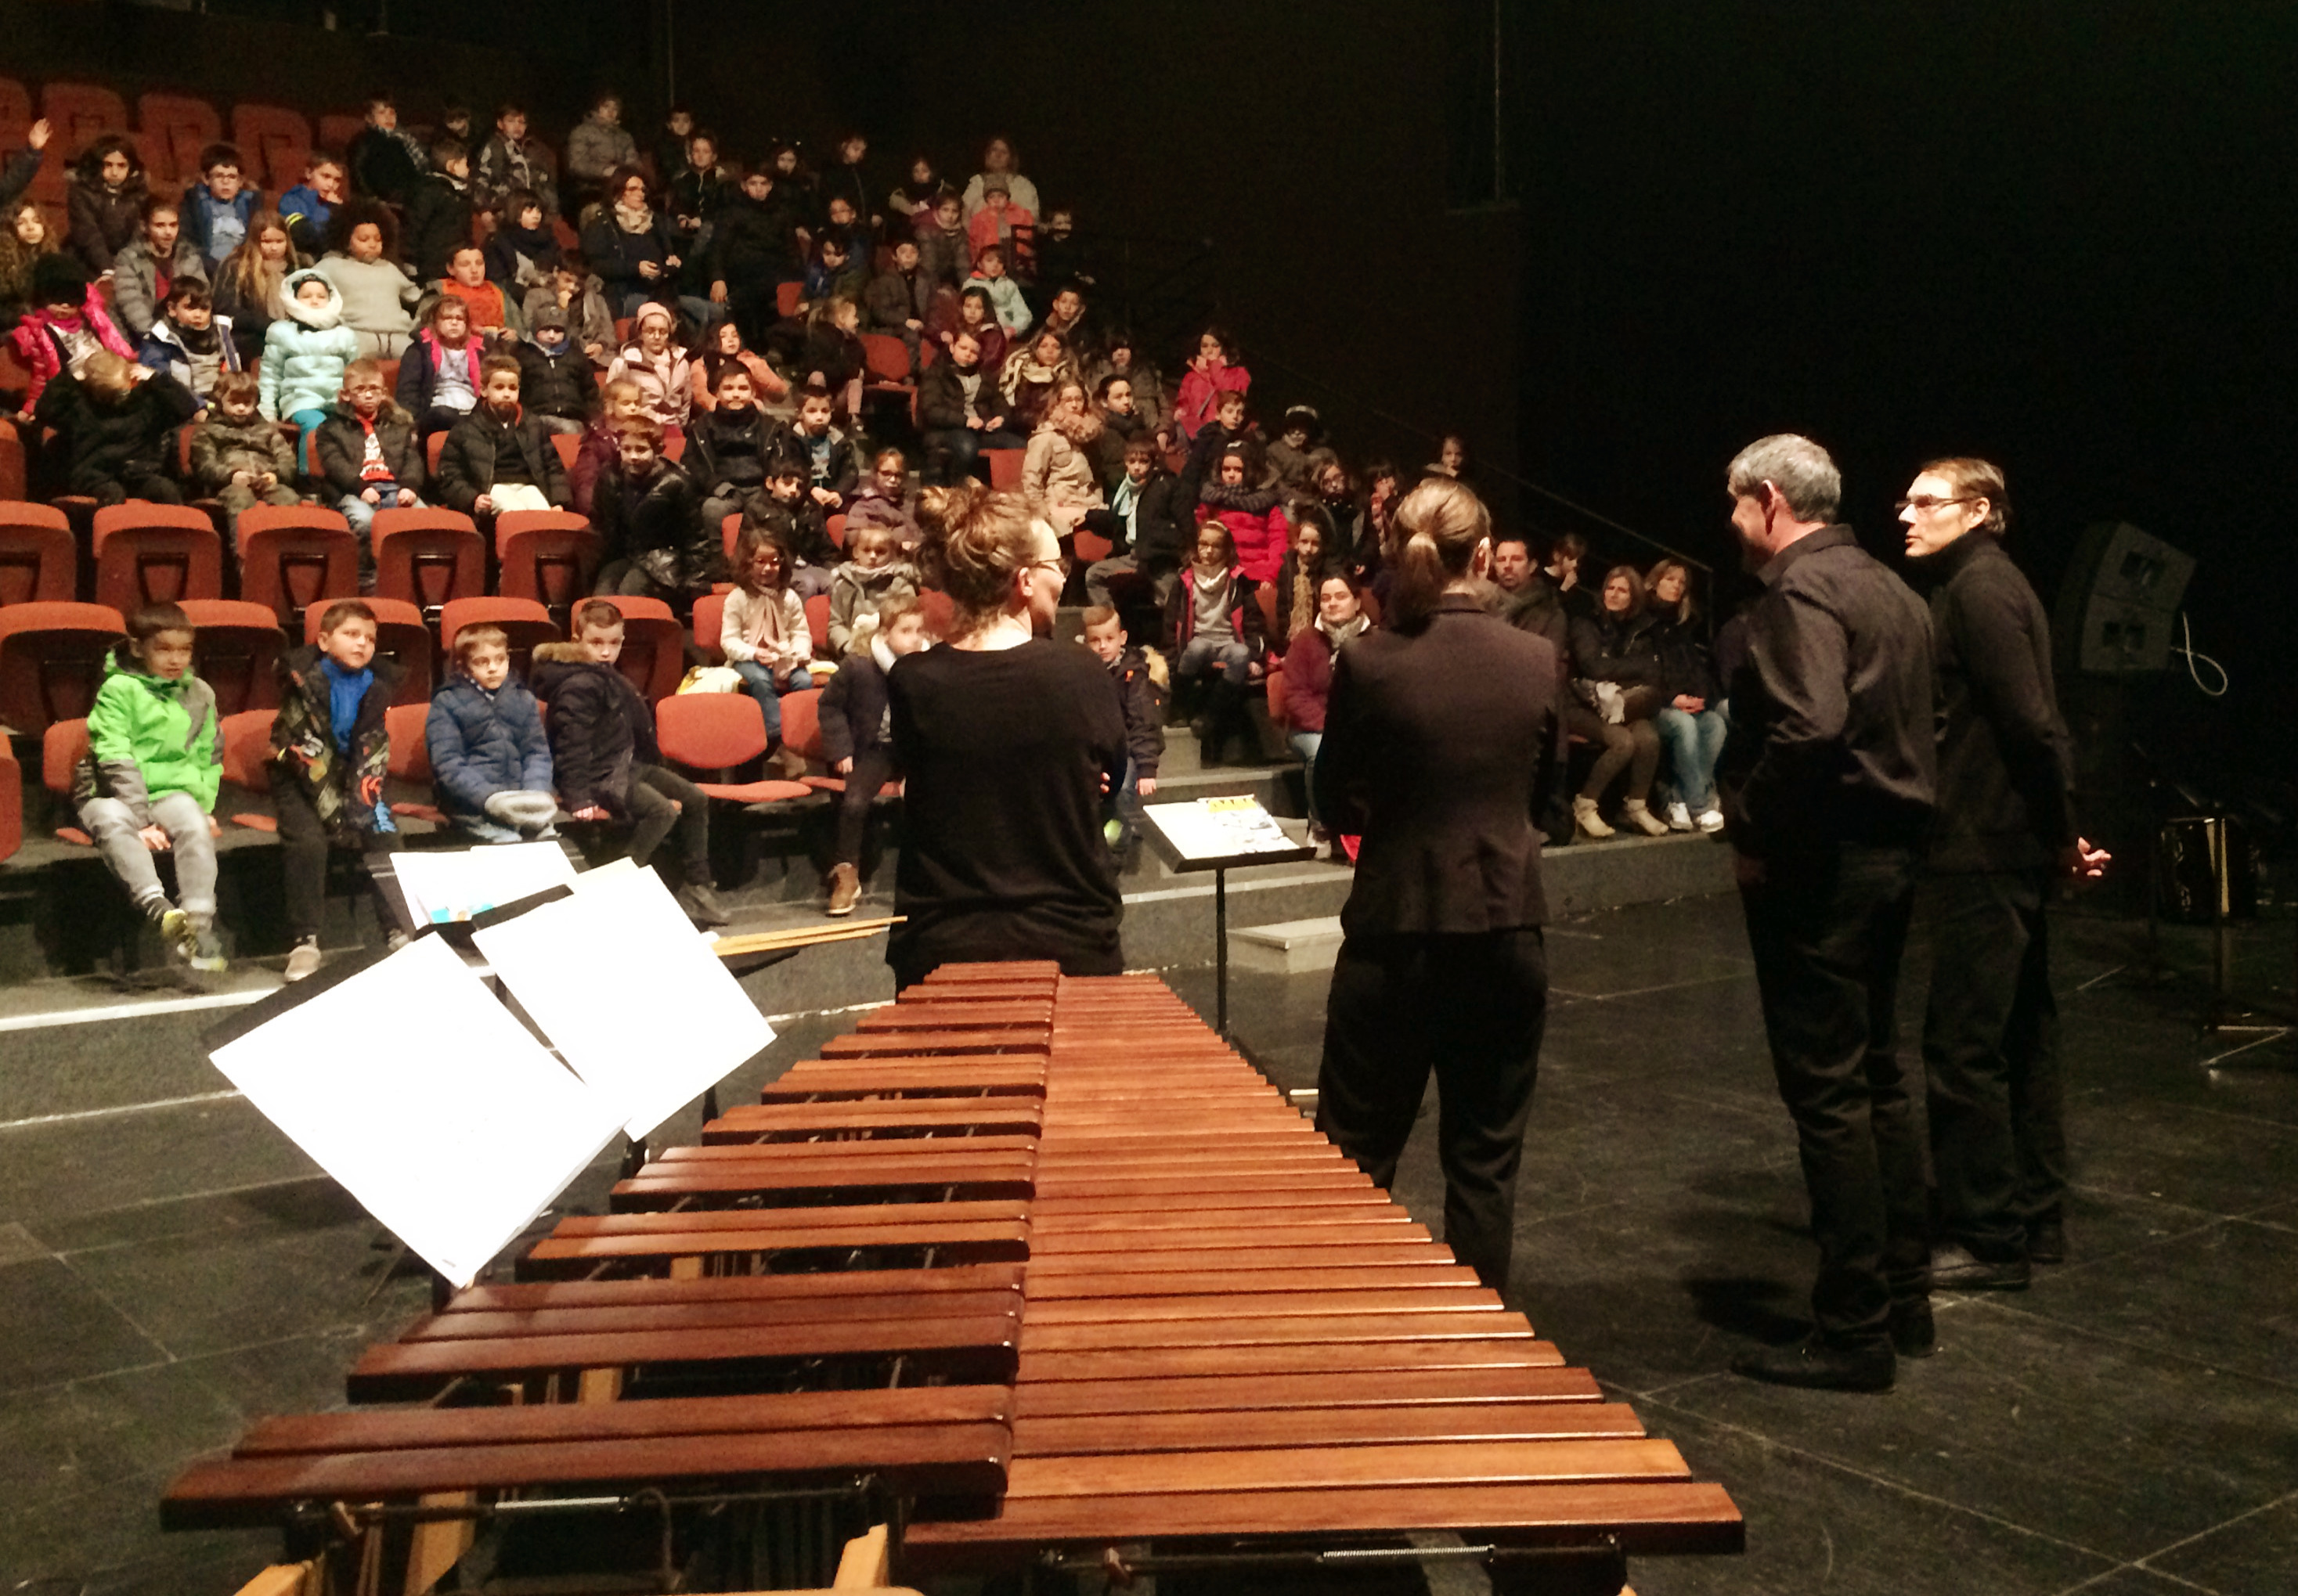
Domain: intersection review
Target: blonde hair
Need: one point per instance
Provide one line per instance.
(1439, 527)
(472, 638)
(107, 376)
(1684, 608)
(975, 540)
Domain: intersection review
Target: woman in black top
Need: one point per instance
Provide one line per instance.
(1008, 742)
(1439, 735)
(1617, 646)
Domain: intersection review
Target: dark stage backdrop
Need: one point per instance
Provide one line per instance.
(2057, 235)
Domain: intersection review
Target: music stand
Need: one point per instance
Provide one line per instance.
(1220, 835)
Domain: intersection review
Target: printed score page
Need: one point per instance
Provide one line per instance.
(1220, 828)
(629, 992)
(422, 1094)
(444, 887)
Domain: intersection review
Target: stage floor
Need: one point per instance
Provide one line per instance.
(2127, 1427)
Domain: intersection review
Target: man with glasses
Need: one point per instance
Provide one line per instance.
(1827, 780)
(2005, 824)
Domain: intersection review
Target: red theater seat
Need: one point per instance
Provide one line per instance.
(400, 636)
(170, 132)
(237, 651)
(409, 724)
(78, 113)
(37, 562)
(269, 138)
(155, 554)
(549, 555)
(653, 647)
(51, 661)
(720, 733)
(428, 557)
(294, 558)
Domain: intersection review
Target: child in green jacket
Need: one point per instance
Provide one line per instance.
(148, 784)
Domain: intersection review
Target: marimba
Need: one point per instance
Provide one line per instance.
(1034, 1271)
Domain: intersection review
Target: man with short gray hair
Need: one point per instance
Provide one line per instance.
(1827, 779)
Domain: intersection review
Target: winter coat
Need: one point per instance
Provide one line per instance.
(658, 528)
(377, 296)
(103, 444)
(201, 210)
(418, 369)
(588, 321)
(103, 221)
(466, 460)
(601, 448)
(564, 384)
(164, 350)
(854, 595)
(837, 355)
(1161, 529)
(944, 258)
(1243, 611)
(221, 447)
(1255, 522)
(438, 223)
(1107, 450)
(1309, 674)
(1137, 693)
(615, 254)
(387, 165)
(1615, 649)
(137, 301)
(1019, 191)
(1537, 608)
(601, 731)
(765, 629)
(729, 449)
(1014, 313)
(941, 400)
(1029, 387)
(305, 351)
(765, 382)
(893, 300)
(1685, 669)
(41, 349)
(307, 216)
(501, 165)
(596, 148)
(518, 259)
(1057, 478)
(853, 708)
(800, 526)
(339, 450)
(869, 508)
(756, 242)
(839, 469)
(483, 743)
(148, 737)
(667, 380)
(344, 786)
(1198, 401)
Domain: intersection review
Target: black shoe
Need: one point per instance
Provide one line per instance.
(1913, 1333)
(1954, 1269)
(1813, 1364)
(701, 904)
(2046, 1241)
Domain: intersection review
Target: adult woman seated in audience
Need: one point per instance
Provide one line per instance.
(248, 285)
(1691, 721)
(969, 312)
(105, 200)
(1617, 674)
(1215, 370)
(1306, 564)
(1032, 374)
(1057, 476)
(634, 248)
(997, 157)
(1339, 621)
(379, 299)
(1119, 358)
(1009, 743)
(721, 347)
(961, 413)
(1252, 514)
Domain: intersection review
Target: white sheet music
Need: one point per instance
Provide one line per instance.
(416, 1088)
(1224, 827)
(629, 994)
(444, 886)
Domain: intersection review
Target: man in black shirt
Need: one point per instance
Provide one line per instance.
(1827, 778)
(2005, 824)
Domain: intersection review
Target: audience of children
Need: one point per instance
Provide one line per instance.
(66, 327)
(856, 738)
(1309, 679)
(497, 457)
(1213, 371)
(493, 317)
(1252, 514)
(961, 413)
(1004, 294)
(1152, 540)
(147, 784)
(306, 209)
(1213, 624)
(1057, 474)
(872, 571)
(238, 457)
(249, 288)
(728, 445)
(605, 761)
(883, 501)
(558, 384)
(368, 455)
(726, 347)
(190, 341)
(647, 514)
(105, 200)
(763, 630)
(25, 236)
(379, 298)
(1034, 372)
(219, 207)
(116, 427)
(789, 511)
(386, 162)
(489, 761)
(305, 353)
(149, 265)
(578, 296)
(439, 374)
(654, 359)
(999, 162)
(1138, 683)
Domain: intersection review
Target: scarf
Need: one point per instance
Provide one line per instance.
(1349, 631)
(345, 689)
(640, 221)
(1081, 429)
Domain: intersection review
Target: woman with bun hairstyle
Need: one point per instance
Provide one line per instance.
(1439, 737)
(1010, 743)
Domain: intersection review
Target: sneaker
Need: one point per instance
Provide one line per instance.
(394, 940)
(1711, 820)
(183, 939)
(844, 889)
(207, 952)
(303, 962)
(1679, 818)
(700, 902)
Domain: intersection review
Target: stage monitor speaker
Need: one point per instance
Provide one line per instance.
(2118, 604)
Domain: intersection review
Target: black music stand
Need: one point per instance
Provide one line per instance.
(1220, 835)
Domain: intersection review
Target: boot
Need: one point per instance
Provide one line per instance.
(1589, 824)
(1222, 723)
(699, 901)
(844, 889)
(1638, 814)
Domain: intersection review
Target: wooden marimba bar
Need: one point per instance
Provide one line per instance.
(1049, 1269)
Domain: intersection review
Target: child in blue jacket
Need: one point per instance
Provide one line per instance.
(489, 761)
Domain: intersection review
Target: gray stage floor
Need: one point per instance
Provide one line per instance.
(2127, 1427)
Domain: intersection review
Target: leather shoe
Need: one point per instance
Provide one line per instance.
(1913, 1333)
(1954, 1269)
(1813, 1364)
(701, 904)
(2047, 1242)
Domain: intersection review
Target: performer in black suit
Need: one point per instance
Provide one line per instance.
(1438, 737)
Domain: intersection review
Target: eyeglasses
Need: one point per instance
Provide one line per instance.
(1926, 503)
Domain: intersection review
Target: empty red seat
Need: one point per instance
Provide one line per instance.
(817, 625)
(730, 533)
(12, 378)
(802, 735)
(409, 725)
(51, 661)
(835, 527)
(654, 646)
(709, 620)
(428, 557)
(336, 131)
(78, 113)
(1004, 468)
(37, 562)
(721, 733)
(1090, 546)
(63, 746)
(12, 803)
(246, 739)
(170, 132)
(295, 557)
(400, 635)
(270, 137)
(886, 361)
(155, 554)
(526, 623)
(549, 555)
(786, 298)
(236, 651)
